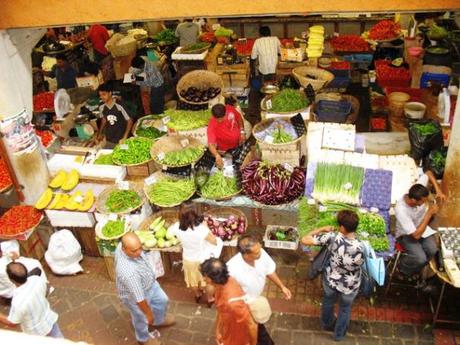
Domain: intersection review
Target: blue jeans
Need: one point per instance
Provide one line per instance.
(55, 332)
(328, 320)
(158, 302)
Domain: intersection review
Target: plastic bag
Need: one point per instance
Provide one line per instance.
(64, 253)
(421, 144)
(154, 259)
(436, 161)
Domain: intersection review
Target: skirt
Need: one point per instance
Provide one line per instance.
(192, 274)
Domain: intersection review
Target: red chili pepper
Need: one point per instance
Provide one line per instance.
(349, 43)
(43, 101)
(385, 29)
(19, 219)
(46, 137)
(5, 178)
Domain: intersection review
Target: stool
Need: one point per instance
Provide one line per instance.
(399, 249)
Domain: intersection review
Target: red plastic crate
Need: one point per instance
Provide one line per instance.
(415, 94)
(385, 80)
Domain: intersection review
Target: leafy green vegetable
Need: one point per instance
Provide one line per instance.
(438, 159)
(184, 120)
(280, 136)
(338, 182)
(168, 192)
(288, 100)
(149, 132)
(166, 37)
(113, 228)
(186, 156)
(371, 223)
(138, 151)
(219, 186)
(104, 159)
(426, 129)
(221, 31)
(122, 200)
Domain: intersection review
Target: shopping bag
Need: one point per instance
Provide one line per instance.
(367, 286)
(320, 261)
(155, 262)
(375, 265)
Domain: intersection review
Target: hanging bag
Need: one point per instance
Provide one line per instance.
(367, 285)
(320, 261)
(375, 266)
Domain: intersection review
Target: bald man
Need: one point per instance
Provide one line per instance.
(138, 289)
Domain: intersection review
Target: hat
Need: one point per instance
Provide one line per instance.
(9, 247)
(260, 309)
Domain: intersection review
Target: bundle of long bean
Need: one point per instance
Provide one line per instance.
(186, 156)
(184, 120)
(168, 192)
(219, 186)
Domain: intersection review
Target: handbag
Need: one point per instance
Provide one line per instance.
(320, 261)
(375, 266)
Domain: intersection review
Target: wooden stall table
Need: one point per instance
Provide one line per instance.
(236, 75)
(436, 305)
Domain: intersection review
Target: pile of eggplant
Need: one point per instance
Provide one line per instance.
(193, 94)
(273, 184)
(226, 228)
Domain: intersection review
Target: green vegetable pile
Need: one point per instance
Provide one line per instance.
(221, 31)
(149, 132)
(219, 186)
(113, 228)
(437, 32)
(122, 200)
(186, 156)
(280, 136)
(196, 46)
(185, 120)
(438, 159)
(104, 159)
(338, 182)
(168, 192)
(426, 129)
(288, 100)
(166, 37)
(138, 151)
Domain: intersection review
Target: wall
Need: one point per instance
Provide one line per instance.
(26, 13)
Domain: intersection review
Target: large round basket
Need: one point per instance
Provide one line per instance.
(263, 125)
(159, 176)
(225, 212)
(21, 235)
(202, 80)
(134, 164)
(352, 117)
(102, 199)
(170, 217)
(147, 121)
(100, 225)
(320, 76)
(174, 143)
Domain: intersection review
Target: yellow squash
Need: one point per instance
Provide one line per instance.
(71, 181)
(62, 201)
(55, 201)
(58, 180)
(44, 199)
(74, 201)
(87, 201)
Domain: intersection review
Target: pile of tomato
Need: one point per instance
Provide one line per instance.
(349, 43)
(46, 137)
(5, 178)
(384, 30)
(18, 219)
(244, 48)
(43, 101)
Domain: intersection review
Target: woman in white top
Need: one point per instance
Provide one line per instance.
(193, 234)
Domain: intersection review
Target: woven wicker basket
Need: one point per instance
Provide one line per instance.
(100, 225)
(102, 199)
(135, 164)
(173, 143)
(202, 80)
(118, 50)
(200, 134)
(225, 212)
(352, 117)
(263, 106)
(147, 121)
(261, 126)
(322, 76)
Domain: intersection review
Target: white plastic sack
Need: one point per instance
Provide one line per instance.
(212, 251)
(154, 259)
(64, 253)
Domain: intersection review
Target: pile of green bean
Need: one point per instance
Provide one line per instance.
(113, 228)
(186, 156)
(122, 200)
(168, 192)
(138, 151)
(219, 186)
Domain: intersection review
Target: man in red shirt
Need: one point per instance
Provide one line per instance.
(98, 36)
(225, 131)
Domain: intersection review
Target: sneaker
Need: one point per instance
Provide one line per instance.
(169, 321)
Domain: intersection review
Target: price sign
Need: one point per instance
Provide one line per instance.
(269, 139)
(166, 119)
(123, 185)
(150, 180)
(163, 128)
(113, 216)
(184, 142)
(161, 156)
(124, 147)
(288, 167)
(268, 104)
(228, 173)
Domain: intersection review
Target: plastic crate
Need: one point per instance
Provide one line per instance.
(427, 78)
(280, 244)
(359, 61)
(415, 94)
(332, 111)
(340, 83)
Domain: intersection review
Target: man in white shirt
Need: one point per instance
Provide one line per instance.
(412, 219)
(29, 307)
(9, 251)
(266, 49)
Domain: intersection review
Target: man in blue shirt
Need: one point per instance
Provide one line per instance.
(147, 75)
(66, 76)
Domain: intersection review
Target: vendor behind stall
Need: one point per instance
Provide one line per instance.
(98, 36)
(266, 50)
(116, 123)
(225, 131)
(188, 32)
(66, 76)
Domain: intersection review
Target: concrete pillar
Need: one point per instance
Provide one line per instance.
(449, 213)
(15, 98)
